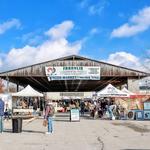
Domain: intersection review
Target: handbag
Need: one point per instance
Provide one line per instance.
(45, 122)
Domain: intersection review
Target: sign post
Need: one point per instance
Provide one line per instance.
(74, 115)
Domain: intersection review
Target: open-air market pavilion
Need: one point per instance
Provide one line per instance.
(74, 74)
(67, 81)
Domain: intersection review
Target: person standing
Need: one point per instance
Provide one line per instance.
(35, 106)
(111, 109)
(48, 116)
(82, 106)
(1, 115)
(7, 112)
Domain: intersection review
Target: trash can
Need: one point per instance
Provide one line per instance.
(16, 125)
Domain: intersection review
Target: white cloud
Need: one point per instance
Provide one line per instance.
(8, 25)
(55, 46)
(61, 30)
(94, 8)
(1, 63)
(94, 31)
(84, 3)
(32, 38)
(125, 59)
(137, 23)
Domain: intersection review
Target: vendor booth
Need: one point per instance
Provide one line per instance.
(22, 112)
(26, 92)
(132, 106)
(112, 94)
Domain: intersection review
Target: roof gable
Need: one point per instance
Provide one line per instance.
(83, 61)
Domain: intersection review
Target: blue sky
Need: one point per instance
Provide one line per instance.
(115, 31)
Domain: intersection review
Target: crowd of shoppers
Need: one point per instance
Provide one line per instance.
(101, 108)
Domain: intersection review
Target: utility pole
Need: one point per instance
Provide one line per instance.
(7, 84)
(147, 86)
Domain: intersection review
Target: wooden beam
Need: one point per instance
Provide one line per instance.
(39, 82)
(45, 81)
(72, 83)
(66, 86)
(78, 85)
(105, 83)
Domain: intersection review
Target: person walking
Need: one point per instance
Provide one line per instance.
(1, 115)
(35, 106)
(48, 116)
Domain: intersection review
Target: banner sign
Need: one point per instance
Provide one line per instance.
(73, 73)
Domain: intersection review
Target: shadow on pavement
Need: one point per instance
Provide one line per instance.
(31, 131)
(8, 130)
(62, 115)
(28, 131)
(61, 120)
(135, 149)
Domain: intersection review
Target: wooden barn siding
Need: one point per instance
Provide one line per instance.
(106, 70)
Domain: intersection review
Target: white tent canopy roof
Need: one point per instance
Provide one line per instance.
(125, 90)
(65, 97)
(28, 91)
(71, 97)
(111, 91)
(77, 97)
(88, 97)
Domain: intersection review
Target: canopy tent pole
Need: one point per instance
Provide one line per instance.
(18, 87)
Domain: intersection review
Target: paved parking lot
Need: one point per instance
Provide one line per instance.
(88, 134)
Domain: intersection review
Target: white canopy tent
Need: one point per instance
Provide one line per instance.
(111, 91)
(76, 97)
(88, 97)
(125, 90)
(28, 91)
(66, 97)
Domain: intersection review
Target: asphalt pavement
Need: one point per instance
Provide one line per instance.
(87, 134)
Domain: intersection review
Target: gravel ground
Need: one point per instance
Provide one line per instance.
(88, 134)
